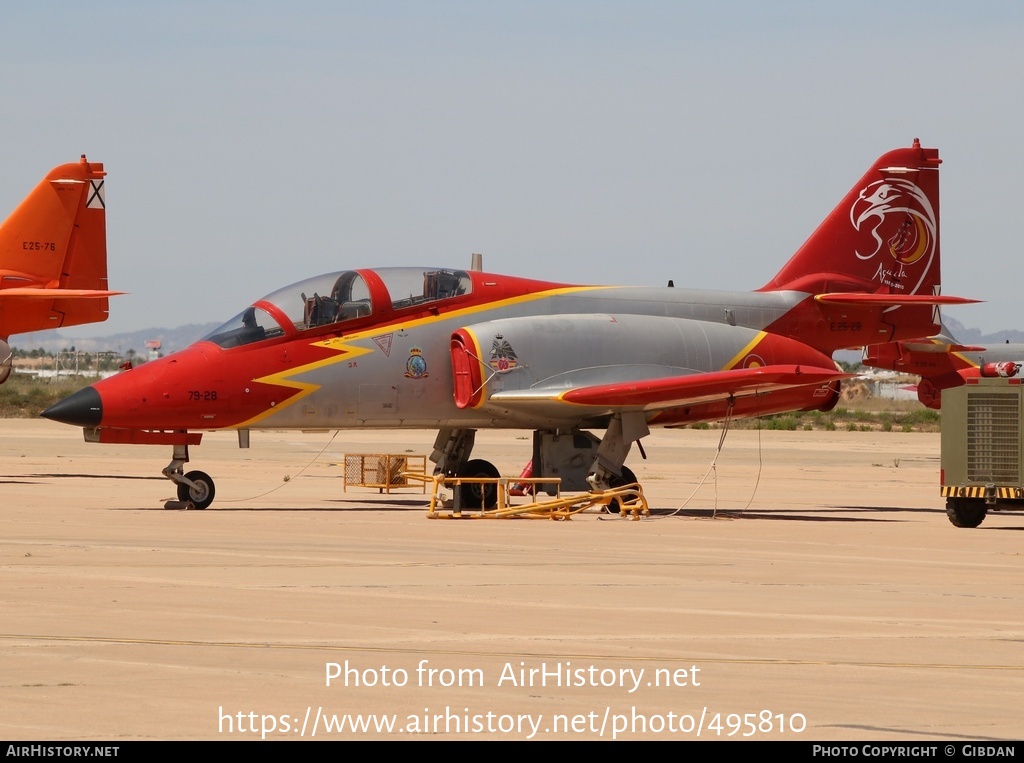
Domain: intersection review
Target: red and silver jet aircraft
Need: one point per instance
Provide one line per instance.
(942, 362)
(458, 350)
(53, 256)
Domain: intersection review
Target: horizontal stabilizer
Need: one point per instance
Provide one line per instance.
(857, 298)
(936, 346)
(30, 293)
(658, 394)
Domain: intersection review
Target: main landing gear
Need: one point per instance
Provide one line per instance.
(479, 495)
(582, 461)
(451, 454)
(626, 478)
(195, 489)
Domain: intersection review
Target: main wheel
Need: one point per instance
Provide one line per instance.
(475, 495)
(965, 512)
(202, 494)
(627, 478)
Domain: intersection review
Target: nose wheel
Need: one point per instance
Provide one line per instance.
(195, 489)
(198, 489)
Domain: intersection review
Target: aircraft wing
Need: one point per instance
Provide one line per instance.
(670, 392)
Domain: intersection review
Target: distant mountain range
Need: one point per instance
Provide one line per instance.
(177, 338)
(170, 340)
(965, 335)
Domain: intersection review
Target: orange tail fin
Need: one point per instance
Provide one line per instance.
(53, 253)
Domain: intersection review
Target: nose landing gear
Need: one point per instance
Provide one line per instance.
(195, 489)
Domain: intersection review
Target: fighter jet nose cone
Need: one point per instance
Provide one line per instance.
(82, 409)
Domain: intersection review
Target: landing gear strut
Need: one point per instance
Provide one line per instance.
(623, 430)
(195, 489)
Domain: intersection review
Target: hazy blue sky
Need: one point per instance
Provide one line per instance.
(253, 144)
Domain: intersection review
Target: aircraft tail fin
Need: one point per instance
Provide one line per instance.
(882, 238)
(872, 267)
(53, 253)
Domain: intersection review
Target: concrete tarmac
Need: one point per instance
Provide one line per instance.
(812, 589)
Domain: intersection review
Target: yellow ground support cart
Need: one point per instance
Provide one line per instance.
(981, 449)
(384, 471)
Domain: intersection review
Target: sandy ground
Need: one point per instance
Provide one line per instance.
(829, 599)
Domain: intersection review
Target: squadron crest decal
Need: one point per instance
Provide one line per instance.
(503, 357)
(901, 220)
(416, 365)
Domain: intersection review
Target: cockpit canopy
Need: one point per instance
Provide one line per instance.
(339, 298)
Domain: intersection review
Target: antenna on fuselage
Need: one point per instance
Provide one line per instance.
(476, 261)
